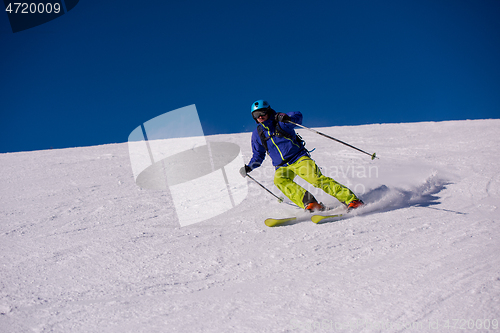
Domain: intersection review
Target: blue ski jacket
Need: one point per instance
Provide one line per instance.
(282, 150)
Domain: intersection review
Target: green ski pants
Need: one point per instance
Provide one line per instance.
(307, 169)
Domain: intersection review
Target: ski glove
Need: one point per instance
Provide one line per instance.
(244, 170)
(282, 117)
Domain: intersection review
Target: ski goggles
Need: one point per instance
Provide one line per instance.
(259, 113)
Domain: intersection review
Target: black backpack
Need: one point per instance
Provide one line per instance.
(279, 132)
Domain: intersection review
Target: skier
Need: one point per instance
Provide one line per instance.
(276, 136)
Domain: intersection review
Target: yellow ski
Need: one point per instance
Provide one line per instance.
(319, 218)
(275, 222)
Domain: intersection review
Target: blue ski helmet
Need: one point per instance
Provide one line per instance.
(260, 104)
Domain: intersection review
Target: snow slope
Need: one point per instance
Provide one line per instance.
(83, 249)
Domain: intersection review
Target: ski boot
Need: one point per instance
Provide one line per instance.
(315, 207)
(354, 204)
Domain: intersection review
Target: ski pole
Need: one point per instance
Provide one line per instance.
(329, 137)
(280, 199)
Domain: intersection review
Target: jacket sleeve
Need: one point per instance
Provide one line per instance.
(296, 117)
(258, 150)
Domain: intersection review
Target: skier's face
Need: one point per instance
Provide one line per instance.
(263, 118)
(261, 115)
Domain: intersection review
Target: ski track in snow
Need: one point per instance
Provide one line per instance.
(83, 249)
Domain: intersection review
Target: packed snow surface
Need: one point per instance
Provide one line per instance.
(84, 249)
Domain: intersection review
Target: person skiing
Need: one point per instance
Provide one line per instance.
(276, 136)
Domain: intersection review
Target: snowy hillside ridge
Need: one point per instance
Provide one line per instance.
(84, 249)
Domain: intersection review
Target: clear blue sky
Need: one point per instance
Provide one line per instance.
(94, 74)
